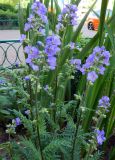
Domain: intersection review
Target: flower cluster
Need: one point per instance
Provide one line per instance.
(17, 121)
(68, 15)
(72, 45)
(40, 9)
(104, 102)
(100, 136)
(76, 63)
(38, 18)
(2, 81)
(32, 53)
(102, 109)
(59, 27)
(26, 78)
(30, 24)
(22, 38)
(51, 48)
(96, 63)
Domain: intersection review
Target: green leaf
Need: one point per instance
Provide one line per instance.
(46, 2)
(58, 9)
(102, 20)
(5, 101)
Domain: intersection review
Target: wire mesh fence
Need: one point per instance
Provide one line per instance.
(11, 53)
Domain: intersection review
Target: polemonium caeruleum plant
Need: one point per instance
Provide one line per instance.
(96, 63)
(57, 125)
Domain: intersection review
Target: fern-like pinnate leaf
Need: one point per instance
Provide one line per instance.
(27, 150)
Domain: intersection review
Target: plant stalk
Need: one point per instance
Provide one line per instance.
(37, 118)
(75, 136)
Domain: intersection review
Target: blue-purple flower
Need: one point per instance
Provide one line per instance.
(37, 19)
(101, 69)
(72, 45)
(28, 26)
(40, 44)
(96, 63)
(2, 81)
(34, 67)
(26, 78)
(76, 63)
(100, 136)
(59, 27)
(33, 53)
(41, 31)
(31, 18)
(68, 16)
(17, 121)
(104, 102)
(52, 62)
(39, 9)
(51, 49)
(53, 39)
(22, 38)
(92, 76)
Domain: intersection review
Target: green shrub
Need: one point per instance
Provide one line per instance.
(8, 18)
(6, 15)
(6, 7)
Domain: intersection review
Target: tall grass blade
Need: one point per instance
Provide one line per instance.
(102, 20)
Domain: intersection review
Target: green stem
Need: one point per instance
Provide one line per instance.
(37, 118)
(63, 38)
(89, 152)
(10, 148)
(55, 96)
(75, 136)
(88, 106)
(30, 93)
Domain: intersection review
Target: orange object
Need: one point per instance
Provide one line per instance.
(93, 23)
(93, 20)
(51, 10)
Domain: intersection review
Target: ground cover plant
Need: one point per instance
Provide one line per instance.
(62, 101)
